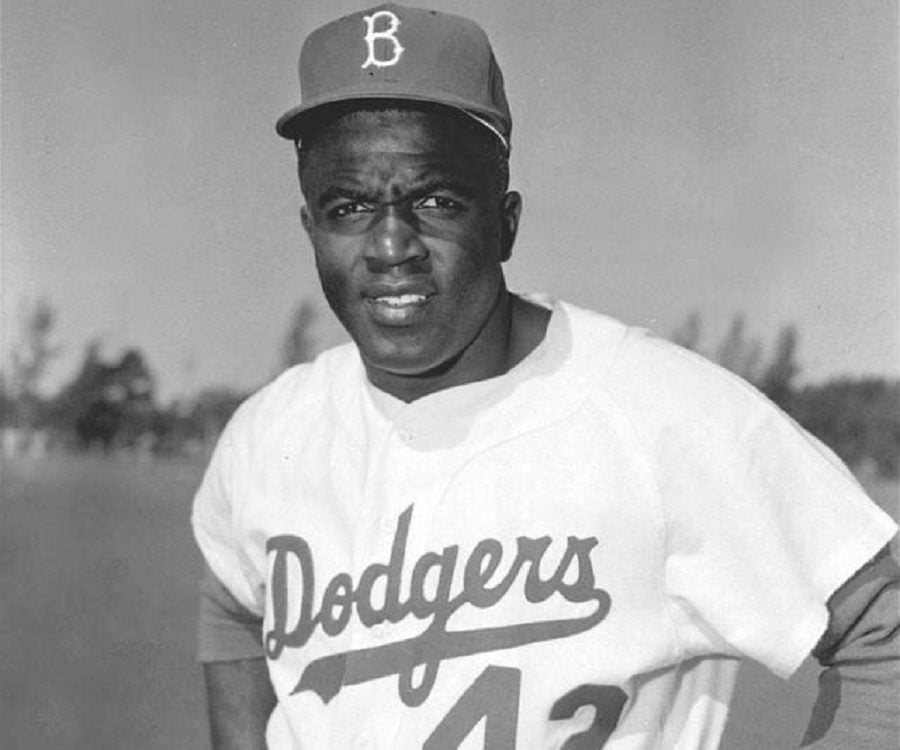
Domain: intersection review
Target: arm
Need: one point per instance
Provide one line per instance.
(239, 694)
(859, 689)
(239, 699)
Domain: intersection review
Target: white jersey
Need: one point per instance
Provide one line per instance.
(574, 554)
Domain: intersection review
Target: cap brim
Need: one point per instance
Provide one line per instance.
(292, 123)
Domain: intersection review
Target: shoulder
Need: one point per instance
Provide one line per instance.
(635, 365)
(298, 392)
(650, 370)
(686, 411)
(660, 386)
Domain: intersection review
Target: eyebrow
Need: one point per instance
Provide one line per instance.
(427, 186)
(462, 189)
(335, 192)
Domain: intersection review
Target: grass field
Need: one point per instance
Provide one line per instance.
(97, 600)
(98, 581)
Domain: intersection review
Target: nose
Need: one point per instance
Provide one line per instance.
(393, 240)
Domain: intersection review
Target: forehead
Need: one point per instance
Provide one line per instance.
(392, 131)
(393, 138)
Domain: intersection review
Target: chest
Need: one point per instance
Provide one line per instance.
(423, 562)
(411, 529)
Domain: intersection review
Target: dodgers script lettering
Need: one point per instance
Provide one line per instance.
(483, 586)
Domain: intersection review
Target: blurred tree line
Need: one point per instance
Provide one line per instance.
(111, 404)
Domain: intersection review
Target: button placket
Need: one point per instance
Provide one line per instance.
(398, 465)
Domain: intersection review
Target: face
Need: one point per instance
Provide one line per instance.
(409, 230)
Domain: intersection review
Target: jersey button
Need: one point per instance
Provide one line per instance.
(388, 524)
(406, 436)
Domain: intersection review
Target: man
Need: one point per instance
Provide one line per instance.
(496, 520)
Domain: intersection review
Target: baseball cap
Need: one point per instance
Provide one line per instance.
(395, 52)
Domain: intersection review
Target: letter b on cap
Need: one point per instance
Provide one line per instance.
(388, 34)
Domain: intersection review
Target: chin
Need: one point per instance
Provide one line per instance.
(405, 359)
(406, 364)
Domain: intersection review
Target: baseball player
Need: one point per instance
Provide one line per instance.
(497, 520)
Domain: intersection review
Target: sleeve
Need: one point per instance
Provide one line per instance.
(763, 522)
(226, 630)
(225, 549)
(857, 705)
(763, 530)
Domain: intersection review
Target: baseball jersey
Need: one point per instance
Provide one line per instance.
(573, 554)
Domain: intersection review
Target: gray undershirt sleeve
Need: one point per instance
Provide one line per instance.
(859, 690)
(227, 631)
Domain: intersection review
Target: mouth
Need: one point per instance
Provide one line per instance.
(398, 309)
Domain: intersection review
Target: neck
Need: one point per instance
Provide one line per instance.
(512, 331)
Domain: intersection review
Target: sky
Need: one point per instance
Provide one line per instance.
(725, 158)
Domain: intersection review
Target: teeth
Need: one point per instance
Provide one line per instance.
(403, 299)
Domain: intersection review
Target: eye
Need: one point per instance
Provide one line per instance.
(438, 202)
(348, 208)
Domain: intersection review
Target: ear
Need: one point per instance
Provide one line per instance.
(306, 219)
(510, 211)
